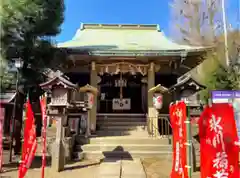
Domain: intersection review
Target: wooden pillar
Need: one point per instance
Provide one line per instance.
(151, 83)
(93, 112)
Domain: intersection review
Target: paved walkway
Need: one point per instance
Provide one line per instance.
(121, 169)
(83, 169)
(86, 169)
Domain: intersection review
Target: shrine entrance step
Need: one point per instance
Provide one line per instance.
(121, 124)
(122, 147)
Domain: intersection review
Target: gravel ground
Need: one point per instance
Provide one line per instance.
(160, 168)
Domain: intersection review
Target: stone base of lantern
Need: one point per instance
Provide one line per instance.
(68, 146)
(58, 156)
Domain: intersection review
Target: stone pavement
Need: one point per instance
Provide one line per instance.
(132, 169)
(121, 169)
(109, 169)
(85, 169)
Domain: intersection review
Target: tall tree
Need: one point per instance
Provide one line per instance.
(222, 79)
(199, 22)
(196, 21)
(26, 29)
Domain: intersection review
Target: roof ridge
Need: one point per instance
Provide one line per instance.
(120, 26)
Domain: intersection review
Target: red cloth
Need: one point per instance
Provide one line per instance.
(29, 144)
(178, 118)
(44, 120)
(217, 132)
(2, 113)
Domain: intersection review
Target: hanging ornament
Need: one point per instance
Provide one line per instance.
(117, 69)
(107, 69)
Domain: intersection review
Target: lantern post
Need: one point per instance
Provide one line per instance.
(18, 64)
(61, 89)
(90, 94)
(158, 103)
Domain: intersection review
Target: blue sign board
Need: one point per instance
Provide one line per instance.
(224, 96)
(227, 96)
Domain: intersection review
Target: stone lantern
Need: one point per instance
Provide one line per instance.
(90, 96)
(188, 90)
(61, 90)
(157, 93)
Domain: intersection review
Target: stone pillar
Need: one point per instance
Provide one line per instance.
(93, 112)
(58, 150)
(152, 113)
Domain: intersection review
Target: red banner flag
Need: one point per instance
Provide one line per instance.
(2, 113)
(30, 142)
(217, 132)
(43, 104)
(178, 118)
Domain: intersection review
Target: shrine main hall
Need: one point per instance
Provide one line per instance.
(123, 62)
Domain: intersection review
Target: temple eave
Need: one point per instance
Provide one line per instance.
(135, 53)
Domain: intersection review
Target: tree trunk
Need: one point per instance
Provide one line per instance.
(34, 94)
(17, 135)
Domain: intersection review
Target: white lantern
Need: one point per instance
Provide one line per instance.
(158, 100)
(90, 99)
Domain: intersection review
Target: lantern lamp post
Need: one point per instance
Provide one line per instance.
(90, 96)
(18, 65)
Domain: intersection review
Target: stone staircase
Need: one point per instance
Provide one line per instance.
(122, 136)
(121, 125)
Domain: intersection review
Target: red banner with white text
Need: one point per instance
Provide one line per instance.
(30, 143)
(178, 116)
(218, 134)
(43, 103)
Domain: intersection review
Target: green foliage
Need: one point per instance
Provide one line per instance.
(7, 80)
(222, 79)
(26, 28)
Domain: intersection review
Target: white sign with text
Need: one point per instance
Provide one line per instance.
(121, 104)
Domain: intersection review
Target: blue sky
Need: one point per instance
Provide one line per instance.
(122, 11)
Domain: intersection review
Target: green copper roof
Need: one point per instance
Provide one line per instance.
(105, 37)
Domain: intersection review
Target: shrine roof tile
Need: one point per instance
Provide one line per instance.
(58, 78)
(186, 79)
(114, 37)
